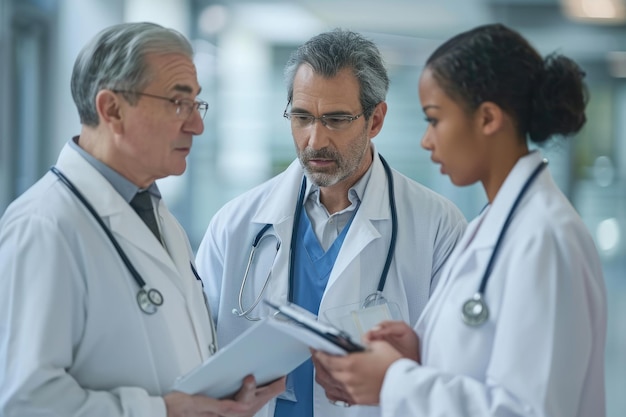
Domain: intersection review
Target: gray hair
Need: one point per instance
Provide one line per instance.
(115, 59)
(330, 52)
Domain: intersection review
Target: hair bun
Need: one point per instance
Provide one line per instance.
(559, 99)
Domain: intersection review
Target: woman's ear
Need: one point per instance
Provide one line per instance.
(490, 117)
(108, 106)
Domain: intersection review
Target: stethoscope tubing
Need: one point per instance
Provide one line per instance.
(394, 225)
(136, 276)
(148, 300)
(529, 181)
(294, 237)
(294, 241)
(259, 237)
(392, 243)
(475, 311)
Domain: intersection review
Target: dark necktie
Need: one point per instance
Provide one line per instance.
(142, 203)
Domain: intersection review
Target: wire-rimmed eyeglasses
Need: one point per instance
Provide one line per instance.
(184, 106)
(330, 121)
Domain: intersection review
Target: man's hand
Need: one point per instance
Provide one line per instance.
(333, 389)
(245, 403)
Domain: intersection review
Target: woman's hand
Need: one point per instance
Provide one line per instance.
(356, 378)
(400, 335)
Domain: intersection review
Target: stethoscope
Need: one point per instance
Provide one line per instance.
(370, 300)
(148, 299)
(475, 311)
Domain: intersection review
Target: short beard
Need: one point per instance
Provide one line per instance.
(322, 178)
(345, 165)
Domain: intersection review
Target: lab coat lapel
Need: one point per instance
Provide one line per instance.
(373, 213)
(179, 254)
(278, 210)
(129, 228)
(478, 250)
(123, 222)
(279, 206)
(471, 255)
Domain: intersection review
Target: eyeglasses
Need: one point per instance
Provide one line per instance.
(184, 106)
(330, 121)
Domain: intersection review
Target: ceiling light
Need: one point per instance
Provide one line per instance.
(595, 11)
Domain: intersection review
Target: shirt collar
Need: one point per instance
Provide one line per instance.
(355, 193)
(123, 186)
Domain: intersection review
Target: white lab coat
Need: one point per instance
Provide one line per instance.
(428, 228)
(541, 352)
(73, 341)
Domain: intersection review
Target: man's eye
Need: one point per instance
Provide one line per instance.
(337, 121)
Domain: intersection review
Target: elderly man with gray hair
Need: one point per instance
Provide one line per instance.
(100, 306)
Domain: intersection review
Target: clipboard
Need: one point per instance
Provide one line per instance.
(326, 331)
(270, 349)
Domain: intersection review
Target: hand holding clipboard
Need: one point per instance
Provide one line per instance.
(269, 349)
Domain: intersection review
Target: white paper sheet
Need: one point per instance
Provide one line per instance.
(268, 350)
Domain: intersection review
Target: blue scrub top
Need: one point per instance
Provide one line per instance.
(312, 269)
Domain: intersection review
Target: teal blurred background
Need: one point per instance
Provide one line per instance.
(241, 47)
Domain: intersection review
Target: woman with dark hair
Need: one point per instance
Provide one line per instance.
(517, 324)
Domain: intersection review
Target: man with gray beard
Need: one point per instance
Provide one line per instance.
(338, 232)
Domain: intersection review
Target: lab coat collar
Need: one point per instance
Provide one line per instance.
(494, 218)
(279, 207)
(287, 187)
(471, 254)
(374, 210)
(114, 211)
(375, 201)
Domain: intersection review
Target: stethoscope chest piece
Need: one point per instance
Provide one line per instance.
(475, 311)
(374, 299)
(155, 297)
(148, 301)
